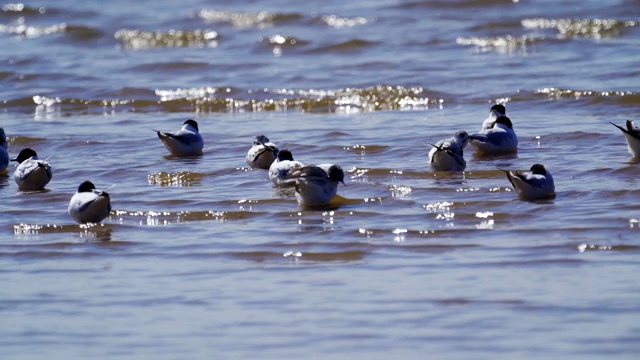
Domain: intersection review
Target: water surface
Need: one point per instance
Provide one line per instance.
(202, 257)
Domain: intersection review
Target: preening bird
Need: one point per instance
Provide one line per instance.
(31, 174)
(535, 184)
(632, 135)
(185, 142)
(89, 205)
(262, 153)
(499, 139)
(448, 155)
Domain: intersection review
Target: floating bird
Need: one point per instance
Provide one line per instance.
(447, 155)
(535, 184)
(89, 205)
(4, 155)
(314, 186)
(632, 135)
(262, 153)
(495, 112)
(280, 168)
(31, 174)
(498, 139)
(185, 142)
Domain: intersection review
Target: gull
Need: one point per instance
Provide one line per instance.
(262, 153)
(314, 186)
(632, 135)
(495, 112)
(498, 139)
(185, 142)
(535, 184)
(31, 174)
(447, 155)
(89, 205)
(282, 166)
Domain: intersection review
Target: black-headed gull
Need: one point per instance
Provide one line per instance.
(89, 205)
(279, 169)
(31, 174)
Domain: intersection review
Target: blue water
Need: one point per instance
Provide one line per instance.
(204, 258)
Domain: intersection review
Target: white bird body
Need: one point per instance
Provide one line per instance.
(632, 135)
(89, 205)
(185, 142)
(262, 153)
(279, 169)
(315, 187)
(4, 155)
(448, 154)
(535, 184)
(499, 139)
(31, 174)
(494, 113)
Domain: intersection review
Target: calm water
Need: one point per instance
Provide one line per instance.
(204, 258)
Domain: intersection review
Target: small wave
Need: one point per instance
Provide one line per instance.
(6, 74)
(278, 42)
(572, 28)
(171, 66)
(506, 44)
(214, 99)
(446, 4)
(248, 20)
(86, 232)
(380, 97)
(366, 149)
(24, 140)
(139, 39)
(31, 32)
(164, 218)
(83, 33)
(346, 46)
(338, 256)
(179, 179)
(617, 97)
(467, 301)
(21, 9)
(341, 22)
(595, 247)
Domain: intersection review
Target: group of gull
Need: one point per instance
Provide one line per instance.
(315, 185)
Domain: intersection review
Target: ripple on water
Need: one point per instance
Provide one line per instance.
(140, 39)
(349, 46)
(573, 28)
(505, 44)
(302, 256)
(260, 19)
(85, 232)
(31, 31)
(592, 97)
(214, 99)
(177, 179)
(164, 218)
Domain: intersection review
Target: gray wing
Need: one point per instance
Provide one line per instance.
(186, 138)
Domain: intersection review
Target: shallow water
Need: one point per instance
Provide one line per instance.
(203, 257)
